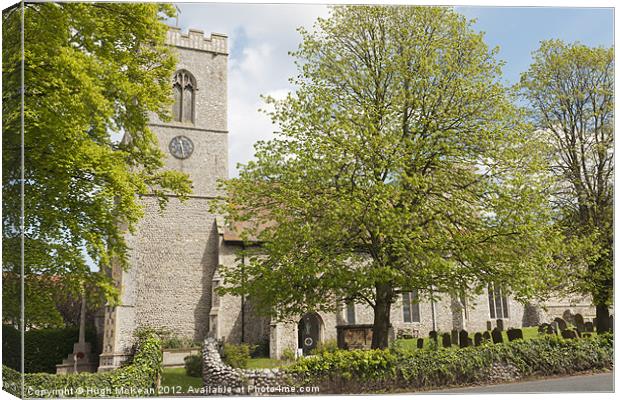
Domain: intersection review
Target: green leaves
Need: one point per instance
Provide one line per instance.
(400, 162)
(569, 88)
(360, 371)
(93, 72)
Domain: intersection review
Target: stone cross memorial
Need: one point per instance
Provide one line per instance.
(82, 359)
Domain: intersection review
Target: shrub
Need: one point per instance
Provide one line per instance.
(288, 355)
(140, 378)
(11, 347)
(328, 346)
(193, 365)
(43, 348)
(376, 370)
(237, 355)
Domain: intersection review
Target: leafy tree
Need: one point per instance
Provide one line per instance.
(92, 73)
(400, 164)
(40, 312)
(570, 91)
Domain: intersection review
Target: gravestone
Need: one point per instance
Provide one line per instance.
(454, 336)
(556, 327)
(577, 332)
(477, 338)
(446, 340)
(569, 317)
(486, 336)
(561, 323)
(579, 320)
(579, 324)
(568, 334)
(531, 315)
(496, 334)
(588, 327)
(420, 343)
(542, 328)
(489, 325)
(463, 339)
(514, 334)
(586, 335)
(433, 335)
(550, 329)
(500, 324)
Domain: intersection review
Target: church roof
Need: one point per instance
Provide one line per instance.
(232, 233)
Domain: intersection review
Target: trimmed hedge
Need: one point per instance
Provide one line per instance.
(44, 348)
(140, 378)
(11, 347)
(359, 371)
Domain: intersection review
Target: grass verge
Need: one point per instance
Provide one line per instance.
(176, 381)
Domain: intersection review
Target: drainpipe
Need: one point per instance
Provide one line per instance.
(433, 311)
(243, 296)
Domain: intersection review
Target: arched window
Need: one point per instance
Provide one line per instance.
(498, 302)
(184, 89)
(351, 313)
(411, 307)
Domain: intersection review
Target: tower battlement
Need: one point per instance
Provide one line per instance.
(196, 39)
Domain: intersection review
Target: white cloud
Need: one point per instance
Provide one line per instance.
(260, 37)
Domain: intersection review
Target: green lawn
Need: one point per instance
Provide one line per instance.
(176, 378)
(256, 363)
(173, 378)
(528, 333)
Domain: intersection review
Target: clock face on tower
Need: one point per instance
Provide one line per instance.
(181, 147)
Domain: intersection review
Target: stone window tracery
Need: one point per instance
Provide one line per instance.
(498, 303)
(411, 307)
(184, 90)
(351, 313)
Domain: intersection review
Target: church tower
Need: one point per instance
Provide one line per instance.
(174, 254)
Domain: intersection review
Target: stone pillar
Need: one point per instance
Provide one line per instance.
(282, 336)
(275, 351)
(531, 315)
(458, 318)
(82, 332)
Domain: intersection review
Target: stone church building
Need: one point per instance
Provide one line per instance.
(175, 254)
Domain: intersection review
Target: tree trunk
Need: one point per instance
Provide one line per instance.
(381, 323)
(602, 318)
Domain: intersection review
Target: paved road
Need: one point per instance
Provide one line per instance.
(582, 383)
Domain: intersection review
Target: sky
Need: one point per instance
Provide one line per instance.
(261, 35)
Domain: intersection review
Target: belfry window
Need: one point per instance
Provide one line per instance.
(184, 89)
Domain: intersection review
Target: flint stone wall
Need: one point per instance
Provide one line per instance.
(222, 378)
